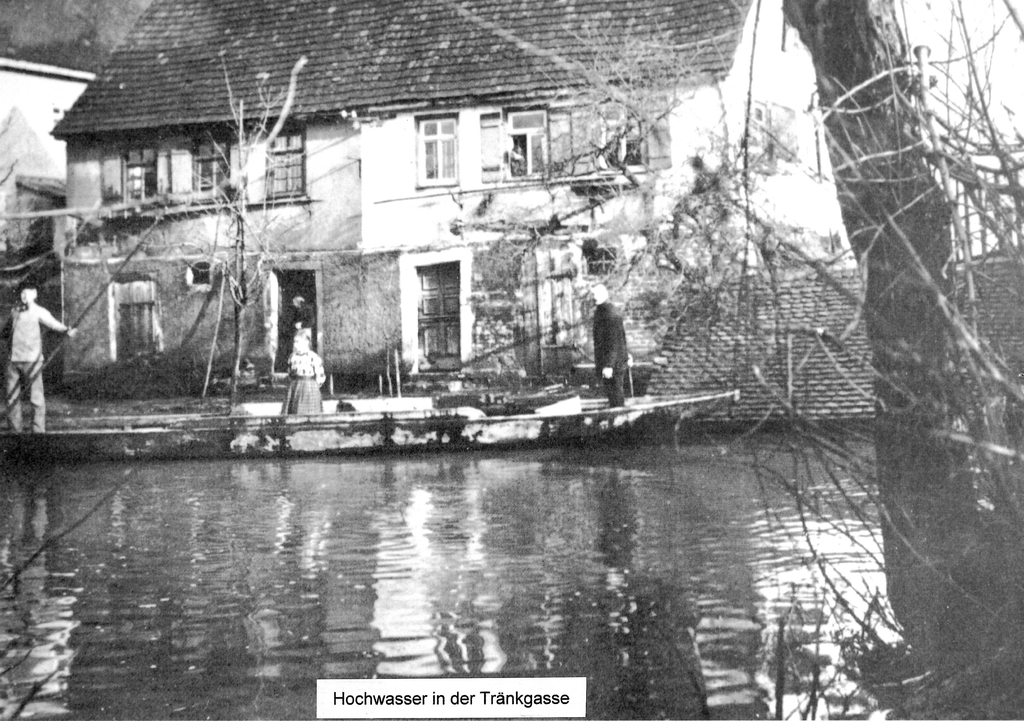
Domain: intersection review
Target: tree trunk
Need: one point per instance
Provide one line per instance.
(898, 222)
(240, 296)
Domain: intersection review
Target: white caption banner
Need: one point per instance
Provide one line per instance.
(452, 698)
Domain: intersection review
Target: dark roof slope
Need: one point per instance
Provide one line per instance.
(172, 68)
(818, 377)
(778, 360)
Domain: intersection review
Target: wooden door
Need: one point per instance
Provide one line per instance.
(440, 327)
(550, 317)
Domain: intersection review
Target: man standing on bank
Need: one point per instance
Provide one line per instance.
(610, 355)
(25, 362)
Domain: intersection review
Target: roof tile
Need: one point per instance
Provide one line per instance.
(177, 63)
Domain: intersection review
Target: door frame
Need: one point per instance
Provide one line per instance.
(316, 267)
(409, 285)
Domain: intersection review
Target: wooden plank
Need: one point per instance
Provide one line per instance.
(166, 437)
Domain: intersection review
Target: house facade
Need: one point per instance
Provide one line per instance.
(447, 182)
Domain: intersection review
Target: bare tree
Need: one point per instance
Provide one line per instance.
(928, 179)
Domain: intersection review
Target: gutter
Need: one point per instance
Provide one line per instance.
(53, 71)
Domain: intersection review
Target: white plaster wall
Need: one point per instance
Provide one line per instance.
(708, 122)
(397, 212)
(797, 194)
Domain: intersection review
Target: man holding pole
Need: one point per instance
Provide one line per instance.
(611, 358)
(25, 360)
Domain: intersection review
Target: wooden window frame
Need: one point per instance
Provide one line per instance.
(445, 153)
(211, 165)
(288, 153)
(140, 174)
(599, 259)
(528, 135)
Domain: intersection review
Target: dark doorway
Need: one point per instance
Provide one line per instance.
(292, 284)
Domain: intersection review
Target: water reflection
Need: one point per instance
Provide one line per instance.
(227, 589)
(36, 604)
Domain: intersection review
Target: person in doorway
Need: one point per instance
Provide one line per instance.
(25, 359)
(303, 314)
(306, 375)
(611, 359)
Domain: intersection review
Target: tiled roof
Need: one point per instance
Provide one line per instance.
(369, 53)
(999, 286)
(827, 380)
(778, 360)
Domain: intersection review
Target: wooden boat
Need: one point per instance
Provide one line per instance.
(158, 437)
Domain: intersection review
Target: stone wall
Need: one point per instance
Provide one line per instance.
(358, 305)
(497, 309)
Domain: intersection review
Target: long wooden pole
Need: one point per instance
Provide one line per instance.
(398, 372)
(216, 333)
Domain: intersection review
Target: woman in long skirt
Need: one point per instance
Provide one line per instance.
(306, 373)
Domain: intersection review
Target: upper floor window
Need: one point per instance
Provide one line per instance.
(527, 133)
(622, 139)
(140, 174)
(130, 177)
(286, 165)
(438, 150)
(773, 133)
(209, 166)
(605, 140)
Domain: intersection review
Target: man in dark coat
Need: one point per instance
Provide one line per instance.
(303, 313)
(610, 355)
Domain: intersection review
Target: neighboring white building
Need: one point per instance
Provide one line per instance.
(41, 94)
(33, 98)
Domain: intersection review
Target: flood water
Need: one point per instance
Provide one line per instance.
(224, 590)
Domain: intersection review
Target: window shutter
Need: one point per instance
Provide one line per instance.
(490, 148)
(111, 181)
(659, 146)
(784, 129)
(181, 171)
(586, 139)
(560, 127)
(163, 173)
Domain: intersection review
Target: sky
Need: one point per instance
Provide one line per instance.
(949, 28)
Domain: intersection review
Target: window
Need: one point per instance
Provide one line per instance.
(621, 139)
(198, 274)
(135, 176)
(438, 151)
(527, 143)
(602, 139)
(140, 174)
(773, 134)
(599, 259)
(209, 166)
(286, 165)
(135, 318)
